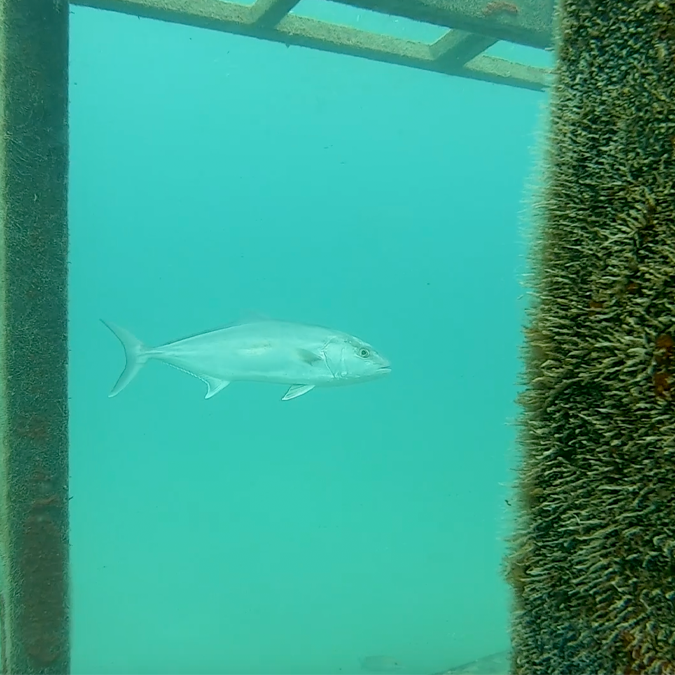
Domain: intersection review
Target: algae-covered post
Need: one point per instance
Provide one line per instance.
(593, 559)
(34, 615)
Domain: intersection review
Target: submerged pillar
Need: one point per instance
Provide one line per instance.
(592, 563)
(34, 612)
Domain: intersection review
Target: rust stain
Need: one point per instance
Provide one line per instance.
(3, 635)
(500, 7)
(42, 613)
(663, 360)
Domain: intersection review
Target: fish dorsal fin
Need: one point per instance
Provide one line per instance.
(213, 384)
(296, 390)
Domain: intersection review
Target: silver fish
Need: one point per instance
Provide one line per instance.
(278, 352)
(494, 664)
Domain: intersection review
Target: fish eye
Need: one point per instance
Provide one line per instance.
(364, 353)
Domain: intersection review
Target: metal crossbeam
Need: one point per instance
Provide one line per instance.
(473, 26)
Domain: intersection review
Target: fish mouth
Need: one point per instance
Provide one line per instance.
(383, 370)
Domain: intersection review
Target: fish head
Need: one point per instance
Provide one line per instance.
(352, 359)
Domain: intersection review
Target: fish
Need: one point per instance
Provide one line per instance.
(494, 664)
(279, 352)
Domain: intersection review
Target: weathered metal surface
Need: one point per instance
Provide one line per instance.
(482, 24)
(525, 22)
(34, 611)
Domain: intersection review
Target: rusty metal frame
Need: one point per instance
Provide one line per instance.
(34, 547)
(34, 521)
(473, 27)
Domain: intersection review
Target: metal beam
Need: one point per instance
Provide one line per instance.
(458, 47)
(34, 610)
(266, 20)
(268, 13)
(525, 22)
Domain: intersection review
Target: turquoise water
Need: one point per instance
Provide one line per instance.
(215, 176)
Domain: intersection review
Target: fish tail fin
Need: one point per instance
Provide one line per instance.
(136, 353)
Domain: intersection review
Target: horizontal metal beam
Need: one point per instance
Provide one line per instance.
(268, 13)
(524, 22)
(261, 21)
(458, 47)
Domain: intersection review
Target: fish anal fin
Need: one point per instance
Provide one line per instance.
(296, 390)
(213, 384)
(308, 356)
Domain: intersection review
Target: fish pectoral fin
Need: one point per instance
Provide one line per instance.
(213, 384)
(296, 390)
(308, 357)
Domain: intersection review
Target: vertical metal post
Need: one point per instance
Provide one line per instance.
(34, 610)
(593, 560)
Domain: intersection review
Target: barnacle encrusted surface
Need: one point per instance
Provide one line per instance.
(592, 562)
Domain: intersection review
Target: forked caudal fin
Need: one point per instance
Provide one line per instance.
(136, 353)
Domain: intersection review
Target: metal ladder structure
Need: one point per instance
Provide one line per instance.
(471, 27)
(34, 406)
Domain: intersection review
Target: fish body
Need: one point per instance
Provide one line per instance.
(494, 664)
(278, 352)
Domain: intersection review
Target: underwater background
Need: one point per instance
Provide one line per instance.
(358, 529)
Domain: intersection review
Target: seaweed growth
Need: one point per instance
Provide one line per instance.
(592, 562)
